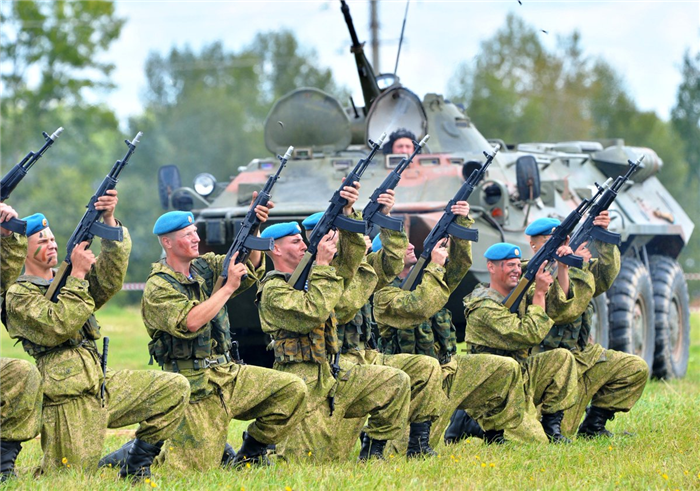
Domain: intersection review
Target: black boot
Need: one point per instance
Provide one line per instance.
(419, 441)
(461, 427)
(494, 436)
(8, 455)
(371, 449)
(228, 456)
(251, 452)
(139, 459)
(117, 458)
(594, 423)
(551, 423)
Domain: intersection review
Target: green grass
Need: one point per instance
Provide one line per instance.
(662, 454)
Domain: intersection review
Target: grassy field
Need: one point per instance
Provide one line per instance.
(663, 453)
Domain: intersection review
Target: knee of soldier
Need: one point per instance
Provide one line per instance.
(180, 386)
(638, 367)
(404, 379)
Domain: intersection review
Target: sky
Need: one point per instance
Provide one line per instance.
(644, 40)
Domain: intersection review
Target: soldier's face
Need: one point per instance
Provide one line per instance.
(409, 259)
(538, 241)
(505, 273)
(42, 251)
(403, 145)
(291, 249)
(184, 243)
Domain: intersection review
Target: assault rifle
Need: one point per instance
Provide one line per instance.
(371, 214)
(548, 253)
(105, 349)
(89, 225)
(333, 218)
(11, 179)
(587, 230)
(247, 240)
(447, 226)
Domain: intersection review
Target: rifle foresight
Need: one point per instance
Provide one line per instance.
(379, 142)
(55, 134)
(287, 155)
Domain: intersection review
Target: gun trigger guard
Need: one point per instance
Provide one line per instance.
(258, 243)
(462, 232)
(107, 232)
(384, 221)
(349, 224)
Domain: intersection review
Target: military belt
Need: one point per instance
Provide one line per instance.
(196, 364)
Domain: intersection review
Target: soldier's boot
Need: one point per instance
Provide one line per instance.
(494, 437)
(251, 452)
(462, 426)
(371, 449)
(139, 459)
(8, 455)
(594, 423)
(117, 458)
(419, 441)
(551, 424)
(228, 456)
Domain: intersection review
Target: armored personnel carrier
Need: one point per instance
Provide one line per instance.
(645, 312)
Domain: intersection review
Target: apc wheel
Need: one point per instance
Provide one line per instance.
(632, 311)
(600, 324)
(672, 318)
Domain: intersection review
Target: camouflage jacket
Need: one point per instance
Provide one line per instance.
(167, 300)
(492, 328)
(353, 311)
(61, 336)
(605, 267)
(13, 250)
(415, 321)
(302, 322)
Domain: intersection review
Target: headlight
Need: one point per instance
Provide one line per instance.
(204, 184)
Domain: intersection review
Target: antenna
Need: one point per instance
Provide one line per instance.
(403, 27)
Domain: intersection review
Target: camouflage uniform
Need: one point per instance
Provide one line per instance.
(417, 322)
(549, 378)
(61, 337)
(20, 381)
(221, 390)
(607, 379)
(304, 327)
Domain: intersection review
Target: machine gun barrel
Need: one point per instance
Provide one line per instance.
(89, 226)
(371, 214)
(246, 240)
(10, 180)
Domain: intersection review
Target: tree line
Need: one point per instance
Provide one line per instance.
(204, 110)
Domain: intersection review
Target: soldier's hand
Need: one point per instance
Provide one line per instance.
(460, 208)
(602, 220)
(439, 254)
(543, 279)
(261, 211)
(327, 249)
(386, 199)
(584, 252)
(235, 273)
(368, 244)
(564, 250)
(352, 194)
(108, 203)
(6, 212)
(82, 260)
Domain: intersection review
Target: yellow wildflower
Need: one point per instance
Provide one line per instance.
(609, 447)
(67, 465)
(492, 464)
(665, 476)
(247, 465)
(287, 488)
(147, 480)
(468, 440)
(483, 464)
(309, 453)
(64, 460)
(153, 484)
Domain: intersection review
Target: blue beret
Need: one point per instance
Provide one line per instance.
(503, 250)
(542, 226)
(172, 221)
(376, 243)
(279, 230)
(36, 223)
(312, 220)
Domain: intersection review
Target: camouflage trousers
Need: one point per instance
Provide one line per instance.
(276, 401)
(613, 380)
(381, 392)
(73, 431)
(427, 396)
(20, 400)
(550, 382)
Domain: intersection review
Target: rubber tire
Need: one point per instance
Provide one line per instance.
(672, 318)
(631, 305)
(600, 331)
